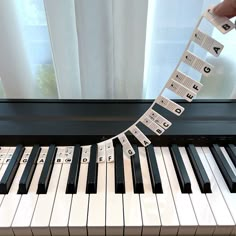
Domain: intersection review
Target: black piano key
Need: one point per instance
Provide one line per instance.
(29, 170)
(231, 150)
(47, 170)
(224, 167)
(92, 171)
(180, 169)
(11, 170)
(153, 170)
(136, 171)
(72, 181)
(200, 173)
(119, 169)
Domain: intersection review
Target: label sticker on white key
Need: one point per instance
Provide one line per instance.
(223, 24)
(208, 43)
(69, 150)
(42, 155)
(138, 134)
(101, 152)
(60, 156)
(108, 144)
(4, 150)
(169, 105)
(109, 151)
(197, 63)
(9, 155)
(152, 125)
(41, 160)
(3, 153)
(126, 144)
(187, 81)
(26, 155)
(85, 154)
(67, 159)
(68, 154)
(159, 119)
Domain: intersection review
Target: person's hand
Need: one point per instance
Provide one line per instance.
(226, 8)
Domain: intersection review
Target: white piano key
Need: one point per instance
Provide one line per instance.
(207, 42)
(197, 63)
(230, 198)
(85, 158)
(97, 202)
(152, 125)
(187, 219)
(180, 90)
(109, 151)
(43, 210)
(159, 119)
(25, 210)
(139, 135)
(3, 153)
(223, 218)
(186, 81)
(168, 213)
(132, 211)
(231, 164)
(114, 202)
(223, 24)
(205, 218)
(62, 203)
(149, 207)
(169, 105)
(79, 206)
(11, 200)
(126, 144)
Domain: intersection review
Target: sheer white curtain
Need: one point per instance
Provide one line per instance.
(98, 47)
(15, 71)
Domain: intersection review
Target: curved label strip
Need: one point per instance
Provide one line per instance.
(179, 82)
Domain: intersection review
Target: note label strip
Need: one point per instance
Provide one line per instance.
(179, 83)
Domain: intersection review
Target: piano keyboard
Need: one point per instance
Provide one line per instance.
(99, 190)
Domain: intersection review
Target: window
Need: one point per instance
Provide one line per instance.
(115, 49)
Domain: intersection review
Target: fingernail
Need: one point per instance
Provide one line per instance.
(215, 9)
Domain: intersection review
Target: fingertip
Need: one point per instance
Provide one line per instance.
(218, 10)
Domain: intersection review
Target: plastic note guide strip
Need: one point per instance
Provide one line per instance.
(169, 105)
(159, 119)
(128, 149)
(208, 43)
(186, 81)
(138, 134)
(223, 24)
(197, 63)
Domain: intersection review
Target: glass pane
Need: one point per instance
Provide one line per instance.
(222, 83)
(31, 14)
(169, 30)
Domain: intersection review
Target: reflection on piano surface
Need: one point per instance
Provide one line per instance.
(56, 180)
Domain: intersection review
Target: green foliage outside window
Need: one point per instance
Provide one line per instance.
(47, 81)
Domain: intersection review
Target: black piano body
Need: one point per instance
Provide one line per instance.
(67, 122)
(177, 209)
